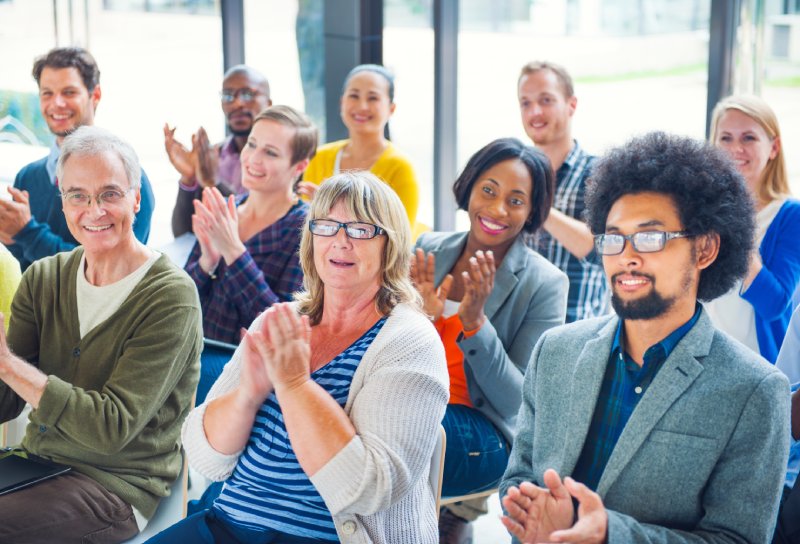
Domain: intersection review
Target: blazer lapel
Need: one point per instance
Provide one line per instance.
(447, 253)
(587, 379)
(505, 279)
(678, 372)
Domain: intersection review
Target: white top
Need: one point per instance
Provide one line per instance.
(96, 304)
(450, 307)
(376, 487)
(731, 313)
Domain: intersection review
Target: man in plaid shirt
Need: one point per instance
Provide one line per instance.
(547, 102)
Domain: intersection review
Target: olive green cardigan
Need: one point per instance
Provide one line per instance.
(116, 398)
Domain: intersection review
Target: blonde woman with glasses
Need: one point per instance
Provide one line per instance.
(324, 422)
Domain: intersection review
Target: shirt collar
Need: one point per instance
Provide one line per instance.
(668, 343)
(52, 160)
(573, 155)
(228, 147)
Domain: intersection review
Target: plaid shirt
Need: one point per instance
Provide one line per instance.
(267, 272)
(623, 385)
(587, 282)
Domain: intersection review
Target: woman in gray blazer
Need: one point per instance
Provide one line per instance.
(490, 297)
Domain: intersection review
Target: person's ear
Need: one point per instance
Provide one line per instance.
(95, 96)
(300, 167)
(392, 107)
(707, 248)
(776, 147)
(572, 103)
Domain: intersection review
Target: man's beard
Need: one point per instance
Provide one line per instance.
(243, 133)
(648, 307)
(65, 133)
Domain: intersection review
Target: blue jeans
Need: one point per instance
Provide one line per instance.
(211, 527)
(476, 455)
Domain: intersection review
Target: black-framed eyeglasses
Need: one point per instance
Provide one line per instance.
(648, 241)
(246, 95)
(355, 230)
(109, 197)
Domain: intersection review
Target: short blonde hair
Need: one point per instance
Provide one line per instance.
(774, 181)
(304, 141)
(368, 199)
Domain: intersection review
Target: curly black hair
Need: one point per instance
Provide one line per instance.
(710, 195)
(503, 149)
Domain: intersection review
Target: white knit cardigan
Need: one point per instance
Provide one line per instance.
(376, 487)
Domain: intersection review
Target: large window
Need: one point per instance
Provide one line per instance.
(637, 66)
(155, 68)
(408, 52)
(780, 83)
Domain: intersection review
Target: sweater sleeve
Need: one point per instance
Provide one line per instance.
(770, 293)
(184, 208)
(36, 240)
(107, 418)
(520, 462)
(396, 413)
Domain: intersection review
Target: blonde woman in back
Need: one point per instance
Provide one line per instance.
(758, 310)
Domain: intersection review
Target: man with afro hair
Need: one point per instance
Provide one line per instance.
(650, 425)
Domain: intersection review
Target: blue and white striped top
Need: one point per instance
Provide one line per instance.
(268, 489)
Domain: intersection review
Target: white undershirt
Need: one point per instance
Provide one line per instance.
(450, 307)
(337, 162)
(96, 304)
(730, 312)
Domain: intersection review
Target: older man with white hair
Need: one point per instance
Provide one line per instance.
(104, 344)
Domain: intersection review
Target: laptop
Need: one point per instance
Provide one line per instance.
(19, 469)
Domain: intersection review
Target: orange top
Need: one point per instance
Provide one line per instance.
(449, 329)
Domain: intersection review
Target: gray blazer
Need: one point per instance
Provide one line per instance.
(703, 455)
(529, 297)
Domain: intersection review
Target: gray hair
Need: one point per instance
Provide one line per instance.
(91, 140)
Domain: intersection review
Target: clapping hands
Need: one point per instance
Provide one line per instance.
(537, 514)
(422, 274)
(199, 163)
(216, 225)
(278, 353)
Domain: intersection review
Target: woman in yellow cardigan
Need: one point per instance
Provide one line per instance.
(9, 279)
(367, 103)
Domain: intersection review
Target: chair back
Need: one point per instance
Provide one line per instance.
(170, 510)
(437, 467)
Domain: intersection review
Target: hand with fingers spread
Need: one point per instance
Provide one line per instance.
(216, 225)
(534, 512)
(478, 285)
(184, 160)
(207, 159)
(422, 274)
(592, 524)
(284, 343)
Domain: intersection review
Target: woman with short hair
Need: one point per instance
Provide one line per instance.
(490, 298)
